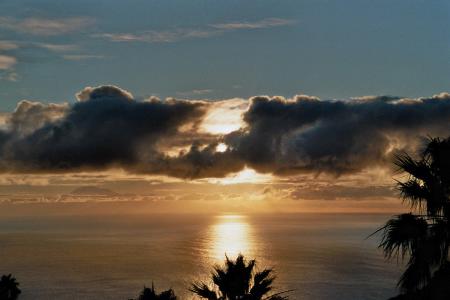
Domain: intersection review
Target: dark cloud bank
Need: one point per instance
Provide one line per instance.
(108, 128)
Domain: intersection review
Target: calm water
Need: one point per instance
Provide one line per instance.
(320, 256)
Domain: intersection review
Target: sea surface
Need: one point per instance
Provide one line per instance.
(318, 256)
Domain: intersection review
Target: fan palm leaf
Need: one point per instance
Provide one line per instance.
(402, 234)
(237, 280)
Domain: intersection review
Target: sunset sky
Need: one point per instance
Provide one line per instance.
(216, 106)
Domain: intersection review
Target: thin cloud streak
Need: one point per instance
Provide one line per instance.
(7, 62)
(179, 34)
(45, 27)
(8, 45)
(265, 23)
(8, 58)
(79, 57)
(196, 92)
(58, 48)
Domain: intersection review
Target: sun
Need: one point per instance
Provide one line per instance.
(221, 147)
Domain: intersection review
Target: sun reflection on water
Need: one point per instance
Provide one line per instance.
(230, 235)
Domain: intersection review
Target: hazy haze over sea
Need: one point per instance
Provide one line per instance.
(320, 256)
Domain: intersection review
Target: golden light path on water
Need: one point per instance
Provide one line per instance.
(230, 235)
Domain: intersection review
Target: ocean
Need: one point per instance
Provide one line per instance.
(318, 256)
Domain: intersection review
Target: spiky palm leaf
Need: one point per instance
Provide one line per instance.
(262, 283)
(234, 279)
(237, 280)
(9, 288)
(416, 275)
(402, 234)
(151, 294)
(415, 193)
(424, 188)
(439, 241)
(415, 168)
(423, 238)
(203, 291)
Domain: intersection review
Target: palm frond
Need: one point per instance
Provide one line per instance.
(439, 241)
(237, 279)
(262, 283)
(167, 295)
(9, 287)
(203, 291)
(416, 168)
(424, 238)
(416, 275)
(414, 192)
(402, 234)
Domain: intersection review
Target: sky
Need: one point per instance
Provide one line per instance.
(223, 49)
(159, 102)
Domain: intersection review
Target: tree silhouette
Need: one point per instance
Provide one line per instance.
(151, 294)
(237, 279)
(9, 288)
(422, 236)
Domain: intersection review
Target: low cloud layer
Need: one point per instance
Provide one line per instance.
(108, 128)
(307, 134)
(105, 128)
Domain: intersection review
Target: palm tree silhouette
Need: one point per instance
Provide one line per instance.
(9, 288)
(237, 280)
(151, 294)
(423, 235)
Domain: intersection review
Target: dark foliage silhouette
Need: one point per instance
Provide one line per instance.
(237, 279)
(422, 236)
(9, 288)
(151, 294)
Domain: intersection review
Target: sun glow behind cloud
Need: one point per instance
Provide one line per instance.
(224, 117)
(247, 175)
(221, 147)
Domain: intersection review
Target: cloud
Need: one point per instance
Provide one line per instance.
(179, 34)
(306, 134)
(224, 116)
(7, 62)
(45, 27)
(261, 24)
(32, 115)
(58, 47)
(155, 36)
(108, 128)
(10, 76)
(196, 92)
(341, 192)
(103, 92)
(78, 57)
(8, 58)
(8, 45)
